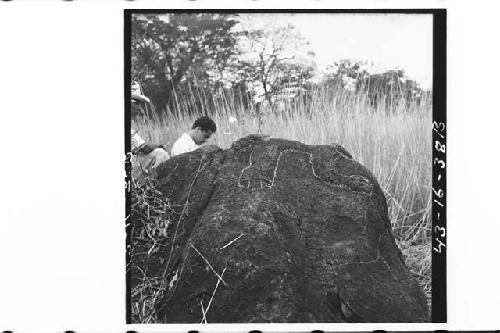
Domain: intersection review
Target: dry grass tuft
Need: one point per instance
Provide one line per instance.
(150, 219)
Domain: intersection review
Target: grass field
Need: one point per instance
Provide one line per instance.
(394, 142)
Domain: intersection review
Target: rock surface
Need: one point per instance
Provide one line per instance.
(272, 230)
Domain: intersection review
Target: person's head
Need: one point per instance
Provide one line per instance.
(139, 102)
(202, 130)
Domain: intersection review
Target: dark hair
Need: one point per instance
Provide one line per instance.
(205, 123)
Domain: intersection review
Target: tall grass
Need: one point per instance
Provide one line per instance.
(392, 140)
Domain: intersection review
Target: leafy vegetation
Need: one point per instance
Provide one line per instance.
(203, 56)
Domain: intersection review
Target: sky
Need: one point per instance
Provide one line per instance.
(388, 40)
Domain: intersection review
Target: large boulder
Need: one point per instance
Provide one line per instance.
(272, 230)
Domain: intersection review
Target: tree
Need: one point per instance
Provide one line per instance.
(171, 50)
(346, 73)
(271, 60)
(390, 88)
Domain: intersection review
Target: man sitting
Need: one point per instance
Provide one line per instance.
(151, 155)
(201, 131)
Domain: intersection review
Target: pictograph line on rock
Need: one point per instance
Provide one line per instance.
(275, 171)
(244, 169)
(205, 311)
(231, 242)
(377, 258)
(208, 263)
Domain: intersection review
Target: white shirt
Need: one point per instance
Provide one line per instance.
(136, 141)
(183, 145)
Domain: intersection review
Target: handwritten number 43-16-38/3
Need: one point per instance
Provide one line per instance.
(439, 232)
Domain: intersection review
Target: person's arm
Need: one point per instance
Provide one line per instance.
(148, 148)
(139, 146)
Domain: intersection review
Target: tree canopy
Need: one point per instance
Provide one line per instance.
(171, 49)
(205, 55)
